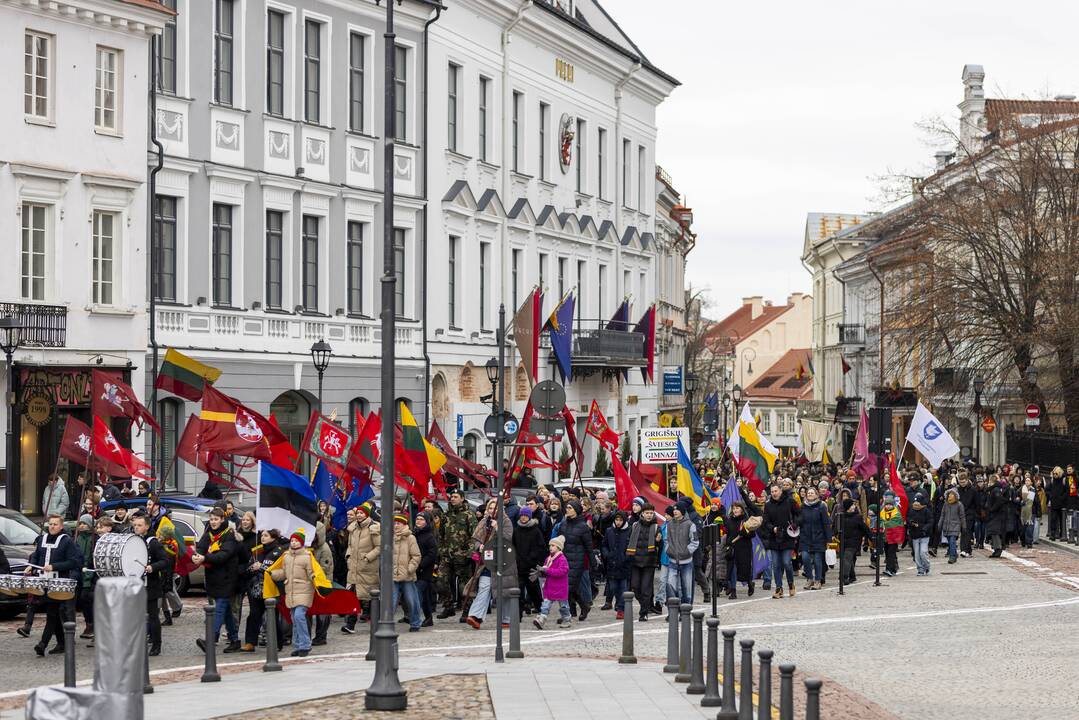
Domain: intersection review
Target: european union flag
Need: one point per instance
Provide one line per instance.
(324, 483)
(561, 326)
(341, 504)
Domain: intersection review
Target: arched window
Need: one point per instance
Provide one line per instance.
(356, 405)
(470, 447)
(440, 399)
(292, 411)
(468, 383)
(397, 407)
(172, 421)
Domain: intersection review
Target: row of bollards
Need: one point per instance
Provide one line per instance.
(686, 658)
(1071, 527)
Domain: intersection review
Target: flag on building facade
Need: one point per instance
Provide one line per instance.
(928, 435)
(285, 501)
(814, 439)
(560, 326)
(526, 332)
(690, 484)
(647, 327)
(184, 376)
(844, 364)
(598, 428)
(110, 397)
(230, 428)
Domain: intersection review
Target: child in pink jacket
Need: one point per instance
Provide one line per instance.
(555, 572)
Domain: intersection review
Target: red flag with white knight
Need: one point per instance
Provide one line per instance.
(106, 447)
(112, 398)
(598, 428)
(76, 444)
(327, 440)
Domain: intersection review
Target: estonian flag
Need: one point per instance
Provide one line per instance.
(286, 501)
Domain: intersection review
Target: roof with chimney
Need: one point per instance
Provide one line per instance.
(788, 379)
(823, 225)
(740, 324)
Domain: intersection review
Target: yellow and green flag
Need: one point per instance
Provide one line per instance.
(425, 457)
(184, 376)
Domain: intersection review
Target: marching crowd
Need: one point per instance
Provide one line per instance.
(572, 549)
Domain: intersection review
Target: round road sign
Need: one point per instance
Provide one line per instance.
(548, 398)
(1033, 411)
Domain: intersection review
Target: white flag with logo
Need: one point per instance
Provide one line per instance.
(929, 436)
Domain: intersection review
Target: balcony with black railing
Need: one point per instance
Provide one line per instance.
(604, 345)
(42, 325)
(851, 334)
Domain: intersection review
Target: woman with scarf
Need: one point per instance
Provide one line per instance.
(263, 555)
(738, 549)
(480, 587)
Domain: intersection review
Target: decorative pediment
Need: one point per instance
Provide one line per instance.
(459, 198)
(522, 212)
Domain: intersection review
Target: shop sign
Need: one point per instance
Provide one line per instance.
(38, 407)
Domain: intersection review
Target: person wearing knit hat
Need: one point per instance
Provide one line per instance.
(401, 518)
(364, 548)
(555, 570)
(530, 546)
(852, 533)
(297, 572)
(406, 563)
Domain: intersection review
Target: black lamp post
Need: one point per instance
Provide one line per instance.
(726, 410)
(10, 339)
(1031, 376)
(979, 386)
(496, 376)
(691, 387)
(320, 356)
(736, 395)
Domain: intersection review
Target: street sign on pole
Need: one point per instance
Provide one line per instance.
(1034, 415)
(989, 424)
(548, 398)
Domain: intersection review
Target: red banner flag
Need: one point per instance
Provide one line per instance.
(232, 429)
(598, 428)
(106, 447)
(112, 398)
(327, 440)
(76, 444)
(282, 454)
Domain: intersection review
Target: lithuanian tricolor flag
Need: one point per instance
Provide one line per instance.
(425, 457)
(184, 376)
(754, 454)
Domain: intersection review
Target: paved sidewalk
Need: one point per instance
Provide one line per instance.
(526, 689)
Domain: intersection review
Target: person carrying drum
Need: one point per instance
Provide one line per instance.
(58, 556)
(157, 564)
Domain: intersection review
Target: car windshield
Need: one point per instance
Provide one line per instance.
(17, 530)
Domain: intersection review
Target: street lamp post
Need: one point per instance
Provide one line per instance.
(1031, 376)
(726, 410)
(496, 370)
(386, 691)
(746, 366)
(10, 339)
(979, 386)
(691, 387)
(320, 356)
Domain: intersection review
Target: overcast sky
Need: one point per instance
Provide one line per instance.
(791, 107)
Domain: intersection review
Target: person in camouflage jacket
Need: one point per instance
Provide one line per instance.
(455, 551)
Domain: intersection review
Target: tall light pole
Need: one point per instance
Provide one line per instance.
(386, 691)
(497, 378)
(743, 370)
(320, 356)
(1031, 376)
(726, 410)
(691, 387)
(979, 386)
(10, 339)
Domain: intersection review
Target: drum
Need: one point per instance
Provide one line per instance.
(7, 585)
(120, 555)
(61, 588)
(35, 585)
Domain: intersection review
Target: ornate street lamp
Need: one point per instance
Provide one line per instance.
(10, 339)
(979, 386)
(320, 356)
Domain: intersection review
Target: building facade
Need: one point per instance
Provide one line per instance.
(268, 210)
(674, 241)
(73, 175)
(543, 134)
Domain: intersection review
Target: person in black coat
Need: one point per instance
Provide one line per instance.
(813, 539)
(218, 552)
(1056, 492)
(852, 533)
(997, 509)
(55, 552)
(919, 527)
(968, 496)
(157, 564)
(577, 551)
(642, 551)
(738, 546)
(780, 515)
(615, 559)
(530, 545)
(424, 532)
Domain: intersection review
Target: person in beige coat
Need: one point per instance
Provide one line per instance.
(324, 558)
(363, 552)
(297, 572)
(406, 559)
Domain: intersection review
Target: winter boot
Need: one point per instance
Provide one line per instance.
(752, 587)
(538, 621)
(778, 593)
(447, 612)
(790, 589)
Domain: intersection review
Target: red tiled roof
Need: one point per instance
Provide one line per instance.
(741, 324)
(780, 382)
(1003, 114)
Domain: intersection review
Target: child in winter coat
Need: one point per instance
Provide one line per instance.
(953, 521)
(555, 571)
(891, 522)
(919, 525)
(615, 545)
(297, 573)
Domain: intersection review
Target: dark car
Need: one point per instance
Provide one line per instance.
(17, 535)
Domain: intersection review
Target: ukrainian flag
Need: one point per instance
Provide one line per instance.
(690, 484)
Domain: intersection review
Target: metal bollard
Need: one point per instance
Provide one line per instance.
(728, 711)
(696, 661)
(711, 670)
(514, 595)
(69, 654)
(672, 635)
(683, 649)
(270, 619)
(147, 686)
(764, 687)
(373, 622)
(209, 673)
(786, 690)
(627, 658)
(745, 702)
(813, 698)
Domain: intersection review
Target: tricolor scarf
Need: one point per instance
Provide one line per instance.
(215, 539)
(890, 517)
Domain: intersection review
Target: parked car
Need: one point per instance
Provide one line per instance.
(592, 484)
(17, 535)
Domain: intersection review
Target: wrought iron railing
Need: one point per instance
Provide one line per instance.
(42, 325)
(851, 334)
(608, 342)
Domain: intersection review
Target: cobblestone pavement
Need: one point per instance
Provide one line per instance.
(980, 617)
(443, 697)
